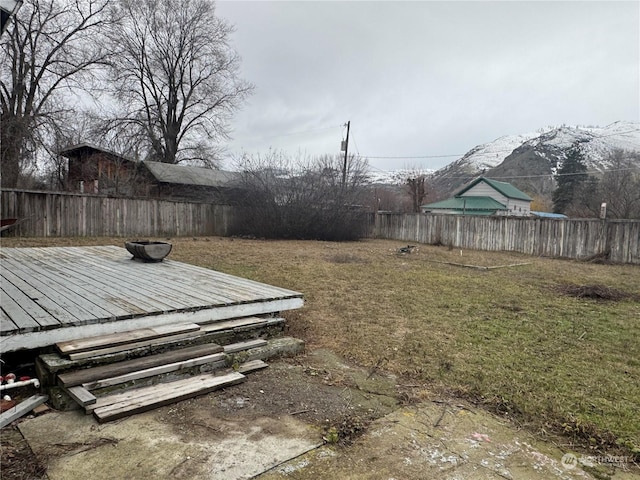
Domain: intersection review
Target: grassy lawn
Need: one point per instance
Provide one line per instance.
(505, 338)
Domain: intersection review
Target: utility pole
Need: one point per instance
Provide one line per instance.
(346, 151)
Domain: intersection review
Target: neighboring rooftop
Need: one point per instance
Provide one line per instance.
(187, 175)
(504, 188)
(84, 149)
(162, 172)
(548, 215)
(469, 205)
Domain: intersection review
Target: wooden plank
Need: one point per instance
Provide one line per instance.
(141, 278)
(6, 324)
(252, 366)
(38, 297)
(104, 341)
(64, 278)
(108, 285)
(240, 346)
(231, 324)
(166, 394)
(131, 346)
(75, 307)
(211, 279)
(40, 315)
(21, 409)
(219, 359)
(206, 279)
(79, 377)
(81, 395)
(102, 274)
(24, 321)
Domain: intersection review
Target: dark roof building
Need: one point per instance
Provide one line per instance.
(94, 169)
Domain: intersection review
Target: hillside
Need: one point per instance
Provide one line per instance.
(529, 160)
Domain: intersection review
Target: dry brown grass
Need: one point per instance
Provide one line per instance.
(504, 338)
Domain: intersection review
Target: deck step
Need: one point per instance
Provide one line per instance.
(157, 378)
(215, 360)
(146, 337)
(116, 339)
(227, 331)
(81, 395)
(211, 362)
(86, 375)
(240, 346)
(180, 337)
(148, 398)
(252, 366)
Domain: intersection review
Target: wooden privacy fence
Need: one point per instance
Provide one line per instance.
(619, 239)
(55, 214)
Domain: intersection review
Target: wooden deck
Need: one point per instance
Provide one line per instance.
(55, 294)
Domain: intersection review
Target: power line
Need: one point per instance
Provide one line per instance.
(418, 157)
(353, 138)
(589, 172)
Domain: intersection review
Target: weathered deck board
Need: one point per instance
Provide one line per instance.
(139, 277)
(71, 379)
(92, 275)
(6, 323)
(147, 398)
(56, 294)
(31, 308)
(38, 297)
(20, 318)
(132, 336)
(79, 286)
(188, 276)
(111, 291)
(76, 305)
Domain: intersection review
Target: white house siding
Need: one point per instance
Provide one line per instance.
(515, 207)
(520, 207)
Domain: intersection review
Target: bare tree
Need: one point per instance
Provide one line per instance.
(176, 77)
(620, 185)
(302, 198)
(415, 184)
(417, 189)
(51, 46)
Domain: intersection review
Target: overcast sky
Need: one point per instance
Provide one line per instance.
(429, 78)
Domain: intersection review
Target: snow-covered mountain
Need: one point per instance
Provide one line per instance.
(597, 142)
(394, 177)
(529, 160)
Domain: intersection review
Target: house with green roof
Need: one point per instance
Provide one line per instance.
(484, 196)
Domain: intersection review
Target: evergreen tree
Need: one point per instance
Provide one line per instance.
(570, 178)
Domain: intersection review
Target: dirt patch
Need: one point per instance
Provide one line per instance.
(314, 388)
(17, 460)
(595, 292)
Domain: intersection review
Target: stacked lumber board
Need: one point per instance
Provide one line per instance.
(82, 385)
(116, 375)
(129, 402)
(117, 342)
(117, 389)
(147, 340)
